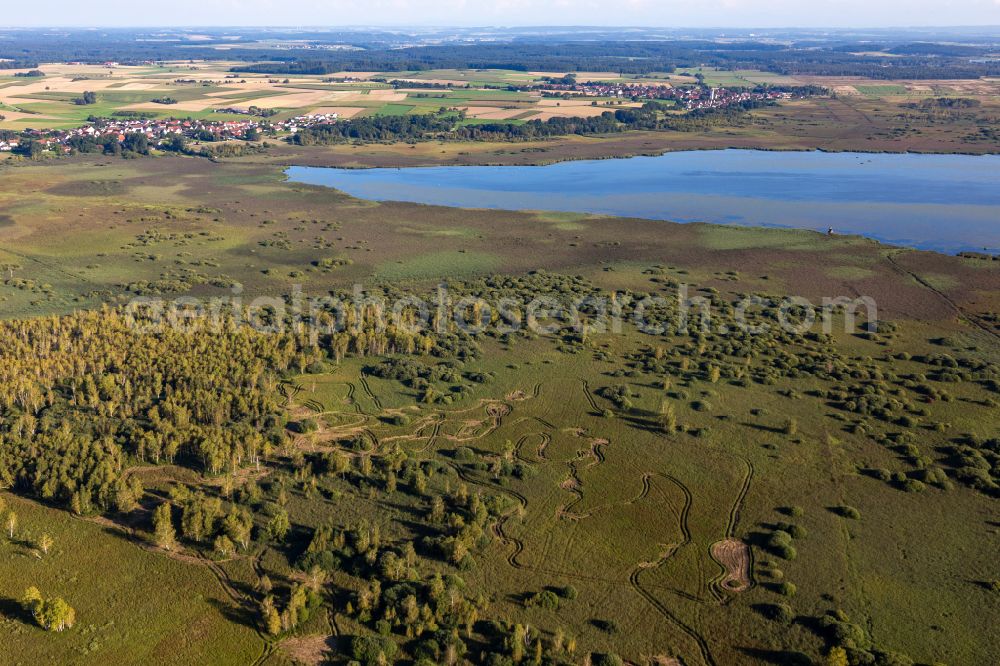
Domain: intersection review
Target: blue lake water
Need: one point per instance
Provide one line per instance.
(947, 203)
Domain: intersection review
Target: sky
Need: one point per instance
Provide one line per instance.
(647, 13)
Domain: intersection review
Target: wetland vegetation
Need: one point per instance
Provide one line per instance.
(388, 432)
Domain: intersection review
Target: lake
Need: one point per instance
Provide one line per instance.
(947, 203)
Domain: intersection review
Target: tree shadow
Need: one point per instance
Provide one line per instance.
(13, 610)
(239, 614)
(774, 430)
(778, 657)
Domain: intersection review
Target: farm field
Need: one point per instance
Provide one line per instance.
(659, 497)
(863, 115)
(205, 90)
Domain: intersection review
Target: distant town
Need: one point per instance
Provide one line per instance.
(687, 97)
(159, 131)
(163, 132)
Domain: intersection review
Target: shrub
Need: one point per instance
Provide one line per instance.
(464, 454)
(304, 427)
(796, 531)
(569, 592)
(779, 538)
(609, 660)
(546, 599)
(880, 473)
(845, 511)
(607, 626)
(780, 543)
(840, 632)
(786, 589)
(892, 659)
(316, 368)
(778, 612)
(370, 649)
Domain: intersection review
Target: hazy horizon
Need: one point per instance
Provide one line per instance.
(305, 27)
(738, 14)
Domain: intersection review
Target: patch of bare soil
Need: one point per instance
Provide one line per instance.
(661, 660)
(309, 650)
(734, 556)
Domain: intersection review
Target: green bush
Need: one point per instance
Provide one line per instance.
(546, 599)
(569, 592)
(370, 649)
(845, 511)
(796, 531)
(465, 454)
(303, 427)
(316, 368)
(787, 589)
(778, 612)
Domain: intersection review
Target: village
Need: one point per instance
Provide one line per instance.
(159, 131)
(688, 97)
(257, 122)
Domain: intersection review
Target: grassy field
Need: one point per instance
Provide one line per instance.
(607, 496)
(606, 500)
(86, 231)
(133, 606)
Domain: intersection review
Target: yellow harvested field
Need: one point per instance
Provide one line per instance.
(352, 75)
(341, 111)
(581, 76)
(292, 101)
(141, 86)
(196, 105)
(14, 116)
(976, 87)
(387, 95)
(230, 91)
(62, 69)
(69, 86)
(570, 112)
(368, 97)
(438, 82)
(583, 101)
(491, 112)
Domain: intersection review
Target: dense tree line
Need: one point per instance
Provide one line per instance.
(447, 124)
(377, 51)
(87, 396)
(639, 57)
